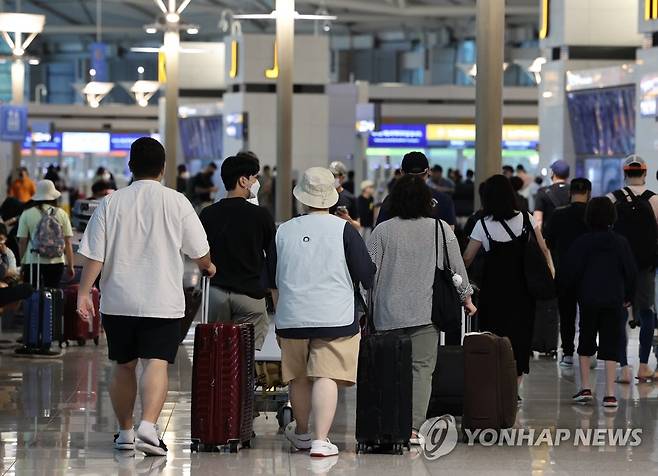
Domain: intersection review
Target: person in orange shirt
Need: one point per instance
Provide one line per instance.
(23, 187)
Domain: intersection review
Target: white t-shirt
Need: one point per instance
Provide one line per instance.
(140, 233)
(497, 231)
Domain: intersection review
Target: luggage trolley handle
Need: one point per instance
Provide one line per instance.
(38, 281)
(205, 297)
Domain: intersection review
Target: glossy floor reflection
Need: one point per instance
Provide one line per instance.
(56, 419)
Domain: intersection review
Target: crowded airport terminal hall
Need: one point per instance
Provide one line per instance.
(328, 237)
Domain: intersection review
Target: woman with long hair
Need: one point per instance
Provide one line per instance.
(506, 306)
(405, 250)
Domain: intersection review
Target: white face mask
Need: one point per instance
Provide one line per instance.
(254, 189)
(337, 183)
(106, 177)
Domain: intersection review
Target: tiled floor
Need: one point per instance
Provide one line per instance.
(56, 418)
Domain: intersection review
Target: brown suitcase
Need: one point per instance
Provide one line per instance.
(490, 385)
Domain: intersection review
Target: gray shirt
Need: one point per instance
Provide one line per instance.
(404, 252)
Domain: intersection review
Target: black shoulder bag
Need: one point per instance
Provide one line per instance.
(446, 304)
(539, 279)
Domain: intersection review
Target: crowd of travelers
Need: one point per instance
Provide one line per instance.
(601, 252)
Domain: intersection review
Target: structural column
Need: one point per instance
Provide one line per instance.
(171, 46)
(490, 44)
(18, 98)
(285, 34)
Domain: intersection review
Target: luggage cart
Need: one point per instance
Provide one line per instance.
(271, 392)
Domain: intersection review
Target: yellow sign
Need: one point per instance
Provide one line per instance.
(233, 73)
(650, 10)
(545, 19)
(273, 72)
(162, 67)
(466, 133)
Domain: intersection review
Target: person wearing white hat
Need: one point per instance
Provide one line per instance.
(320, 258)
(44, 202)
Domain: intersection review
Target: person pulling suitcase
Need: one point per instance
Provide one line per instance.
(137, 237)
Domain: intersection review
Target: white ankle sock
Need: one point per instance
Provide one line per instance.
(146, 432)
(126, 436)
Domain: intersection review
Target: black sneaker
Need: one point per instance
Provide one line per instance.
(584, 396)
(610, 402)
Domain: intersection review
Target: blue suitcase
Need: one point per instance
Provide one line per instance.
(43, 314)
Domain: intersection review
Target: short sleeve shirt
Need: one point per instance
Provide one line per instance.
(497, 231)
(140, 234)
(27, 227)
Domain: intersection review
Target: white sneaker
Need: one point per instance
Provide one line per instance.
(567, 361)
(417, 439)
(148, 446)
(122, 445)
(301, 441)
(323, 448)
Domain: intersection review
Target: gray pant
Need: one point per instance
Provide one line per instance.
(226, 306)
(424, 344)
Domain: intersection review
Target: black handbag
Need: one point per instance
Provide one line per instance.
(446, 304)
(539, 279)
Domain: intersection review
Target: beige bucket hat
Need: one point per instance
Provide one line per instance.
(316, 188)
(46, 191)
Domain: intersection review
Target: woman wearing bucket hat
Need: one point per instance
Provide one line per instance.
(44, 202)
(320, 258)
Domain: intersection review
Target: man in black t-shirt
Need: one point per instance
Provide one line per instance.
(566, 225)
(554, 196)
(202, 185)
(366, 203)
(346, 207)
(241, 237)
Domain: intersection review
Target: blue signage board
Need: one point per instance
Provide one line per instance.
(398, 135)
(55, 143)
(13, 123)
(124, 141)
(98, 60)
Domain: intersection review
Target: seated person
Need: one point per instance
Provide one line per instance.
(8, 258)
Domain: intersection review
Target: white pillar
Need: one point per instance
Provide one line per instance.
(18, 98)
(285, 34)
(490, 44)
(172, 48)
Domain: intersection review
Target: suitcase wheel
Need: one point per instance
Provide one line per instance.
(246, 444)
(360, 448)
(96, 340)
(81, 342)
(234, 446)
(194, 447)
(284, 416)
(398, 449)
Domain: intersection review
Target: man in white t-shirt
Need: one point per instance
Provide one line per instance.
(137, 237)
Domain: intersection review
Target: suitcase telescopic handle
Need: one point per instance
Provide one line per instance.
(205, 297)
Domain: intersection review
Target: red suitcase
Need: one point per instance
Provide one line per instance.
(75, 329)
(222, 383)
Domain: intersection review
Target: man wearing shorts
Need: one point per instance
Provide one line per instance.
(136, 237)
(320, 258)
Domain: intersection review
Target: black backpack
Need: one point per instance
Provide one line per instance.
(637, 222)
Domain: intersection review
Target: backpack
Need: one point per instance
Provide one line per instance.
(48, 241)
(637, 223)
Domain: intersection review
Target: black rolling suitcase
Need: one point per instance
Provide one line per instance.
(383, 392)
(447, 396)
(545, 334)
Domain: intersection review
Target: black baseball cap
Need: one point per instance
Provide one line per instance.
(415, 163)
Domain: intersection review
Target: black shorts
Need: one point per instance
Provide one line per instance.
(608, 324)
(130, 338)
